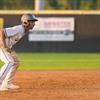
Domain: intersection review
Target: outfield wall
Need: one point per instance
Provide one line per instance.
(87, 34)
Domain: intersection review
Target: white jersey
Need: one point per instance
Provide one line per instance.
(13, 35)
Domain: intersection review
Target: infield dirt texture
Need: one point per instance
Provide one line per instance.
(55, 85)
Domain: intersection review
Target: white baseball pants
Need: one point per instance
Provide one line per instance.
(10, 66)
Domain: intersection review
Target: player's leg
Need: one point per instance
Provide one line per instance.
(6, 57)
(9, 78)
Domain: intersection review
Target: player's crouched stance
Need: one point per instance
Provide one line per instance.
(8, 38)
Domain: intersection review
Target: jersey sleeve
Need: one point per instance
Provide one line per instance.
(9, 32)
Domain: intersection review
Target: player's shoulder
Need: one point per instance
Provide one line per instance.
(11, 31)
(16, 28)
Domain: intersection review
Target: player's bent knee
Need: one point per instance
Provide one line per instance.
(10, 63)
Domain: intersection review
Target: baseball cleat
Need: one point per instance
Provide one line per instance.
(12, 86)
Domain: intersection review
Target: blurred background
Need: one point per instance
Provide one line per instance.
(64, 26)
(76, 28)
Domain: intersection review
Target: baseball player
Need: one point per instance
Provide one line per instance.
(8, 38)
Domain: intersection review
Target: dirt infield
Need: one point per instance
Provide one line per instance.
(55, 85)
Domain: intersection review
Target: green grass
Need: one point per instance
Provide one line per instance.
(59, 61)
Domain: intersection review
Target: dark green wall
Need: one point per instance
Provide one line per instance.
(87, 35)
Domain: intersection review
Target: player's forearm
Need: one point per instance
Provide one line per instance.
(2, 40)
